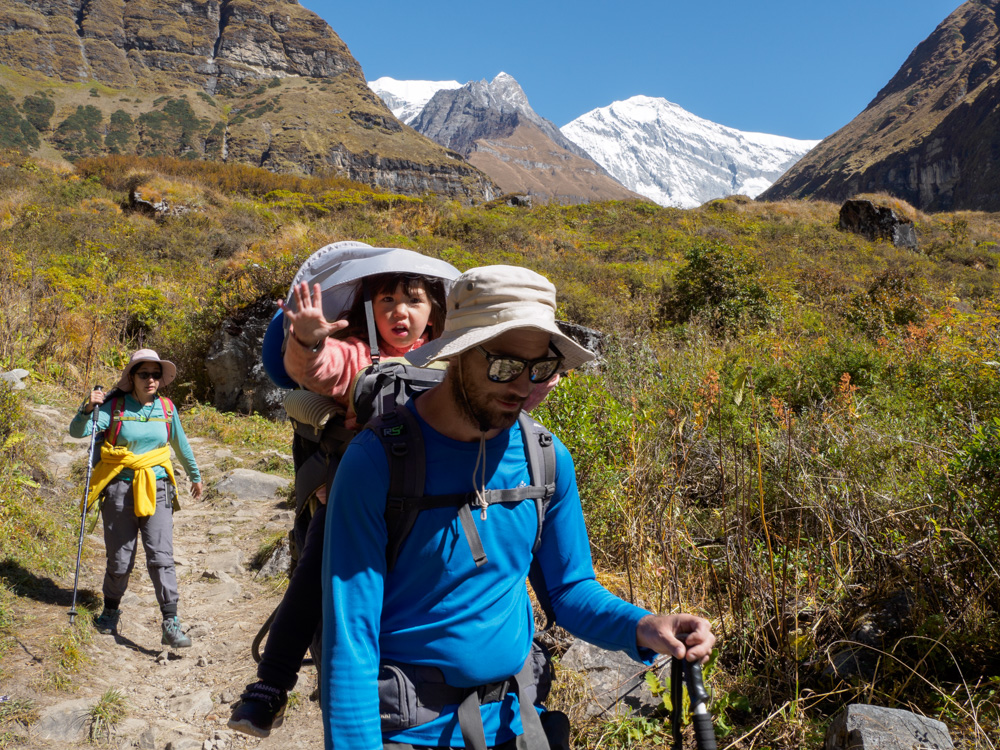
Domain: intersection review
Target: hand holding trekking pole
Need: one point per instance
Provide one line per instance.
(309, 325)
(683, 636)
(96, 398)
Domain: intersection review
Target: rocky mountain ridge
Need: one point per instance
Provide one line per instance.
(264, 83)
(931, 136)
(214, 44)
(654, 148)
(493, 126)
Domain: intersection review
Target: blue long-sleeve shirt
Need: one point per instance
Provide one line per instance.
(140, 435)
(435, 607)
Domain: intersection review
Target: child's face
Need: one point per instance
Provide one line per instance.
(401, 316)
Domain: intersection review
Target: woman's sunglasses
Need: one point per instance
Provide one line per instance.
(504, 369)
(144, 375)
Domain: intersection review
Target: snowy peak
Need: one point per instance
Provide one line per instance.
(407, 99)
(508, 94)
(493, 126)
(458, 118)
(675, 158)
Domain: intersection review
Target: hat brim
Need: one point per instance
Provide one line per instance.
(447, 346)
(169, 373)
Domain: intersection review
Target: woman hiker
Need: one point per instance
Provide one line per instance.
(136, 479)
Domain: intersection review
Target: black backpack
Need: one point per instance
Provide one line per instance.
(399, 433)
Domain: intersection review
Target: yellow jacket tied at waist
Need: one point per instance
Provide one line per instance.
(114, 459)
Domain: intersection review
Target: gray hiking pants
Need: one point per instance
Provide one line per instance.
(121, 527)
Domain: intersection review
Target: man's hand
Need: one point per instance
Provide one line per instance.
(659, 633)
(197, 488)
(308, 325)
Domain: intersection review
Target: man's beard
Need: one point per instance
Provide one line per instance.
(476, 405)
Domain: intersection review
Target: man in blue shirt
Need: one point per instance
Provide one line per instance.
(406, 646)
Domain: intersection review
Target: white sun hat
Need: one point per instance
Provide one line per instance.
(488, 301)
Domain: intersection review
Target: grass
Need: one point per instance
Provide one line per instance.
(16, 715)
(792, 427)
(106, 714)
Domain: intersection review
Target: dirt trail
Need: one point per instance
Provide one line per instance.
(177, 699)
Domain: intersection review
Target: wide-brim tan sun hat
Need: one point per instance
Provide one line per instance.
(147, 355)
(488, 301)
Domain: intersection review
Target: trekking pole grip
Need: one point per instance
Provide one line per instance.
(701, 719)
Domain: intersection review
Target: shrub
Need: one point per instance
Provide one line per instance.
(720, 282)
(15, 131)
(38, 110)
(80, 134)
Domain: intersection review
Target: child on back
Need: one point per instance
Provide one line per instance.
(324, 357)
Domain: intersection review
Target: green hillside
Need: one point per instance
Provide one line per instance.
(795, 431)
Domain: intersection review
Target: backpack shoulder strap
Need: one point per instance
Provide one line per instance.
(400, 435)
(115, 424)
(541, 453)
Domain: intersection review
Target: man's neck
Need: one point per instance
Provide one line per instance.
(438, 408)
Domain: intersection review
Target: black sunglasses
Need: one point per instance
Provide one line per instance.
(149, 375)
(504, 369)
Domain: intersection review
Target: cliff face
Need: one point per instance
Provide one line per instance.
(931, 136)
(211, 43)
(266, 83)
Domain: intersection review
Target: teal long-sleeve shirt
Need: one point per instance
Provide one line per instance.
(143, 429)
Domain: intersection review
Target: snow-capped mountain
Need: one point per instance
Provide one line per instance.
(675, 158)
(492, 125)
(407, 99)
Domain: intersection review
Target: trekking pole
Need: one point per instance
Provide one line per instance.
(83, 514)
(685, 673)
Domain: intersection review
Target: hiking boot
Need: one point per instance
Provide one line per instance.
(106, 623)
(260, 709)
(172, 635)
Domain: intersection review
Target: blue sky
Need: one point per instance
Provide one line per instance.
(798, 68)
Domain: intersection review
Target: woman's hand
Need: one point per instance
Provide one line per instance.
(96, 398)
(196, 489)
(308, 325)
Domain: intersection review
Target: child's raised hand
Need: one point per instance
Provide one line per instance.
(308, 325)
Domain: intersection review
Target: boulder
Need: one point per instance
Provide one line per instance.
(588, 338)
(278, 561)
(156, 208)
(247, 484)
(235, 368)
(881, 623)
(64, 723)
(617, 683)
(863, 727)
(877, 223)
(15, 378)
